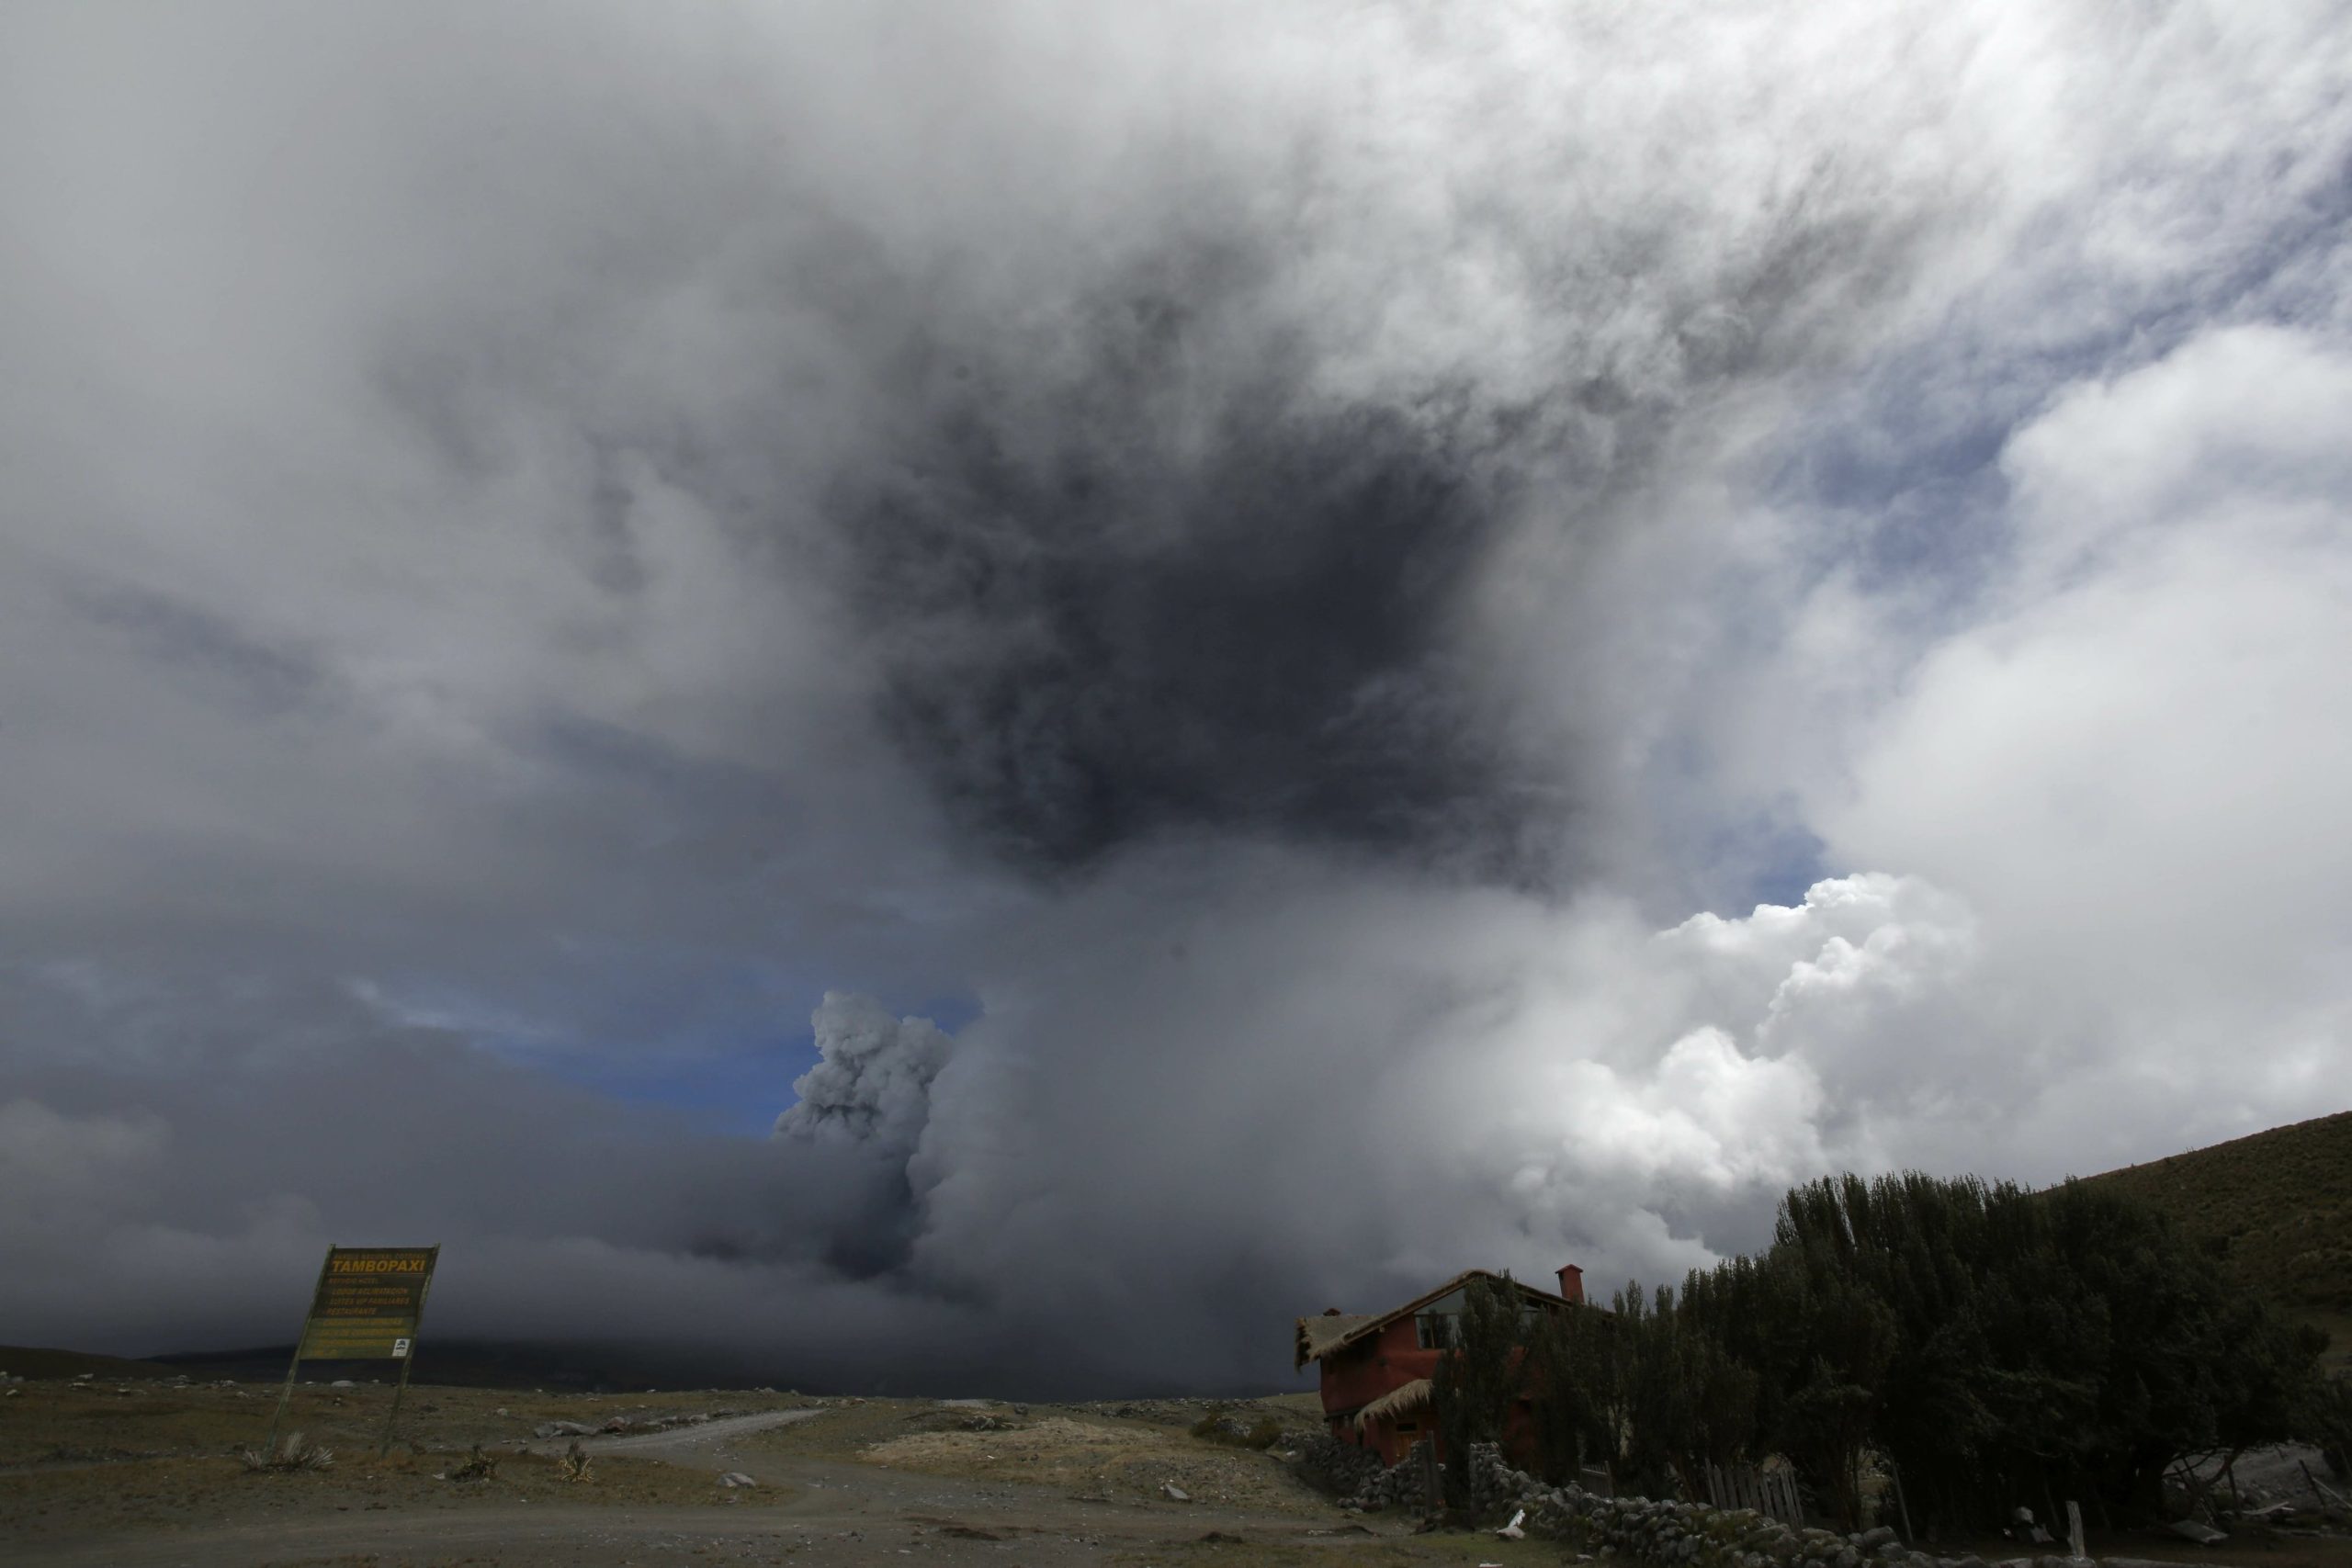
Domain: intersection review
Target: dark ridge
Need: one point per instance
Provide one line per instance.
(27, 1361)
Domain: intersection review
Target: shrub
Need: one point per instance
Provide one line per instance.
(1221, 1425)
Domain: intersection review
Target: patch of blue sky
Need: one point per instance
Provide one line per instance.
(1773, 861)
(1901, 461)
(725, 1056)
(735, 1084)
(1734, 856)
(730, 1088)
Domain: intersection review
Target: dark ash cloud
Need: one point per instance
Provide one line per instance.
(1242, 627)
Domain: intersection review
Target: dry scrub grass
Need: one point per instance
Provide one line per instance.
(2279, 1205)
(179, 1491)
(1443, 1549)
(1102, 1461)
(83, 1423)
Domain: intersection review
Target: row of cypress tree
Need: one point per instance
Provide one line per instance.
(1998, 1346)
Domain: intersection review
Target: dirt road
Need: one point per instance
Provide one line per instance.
(835, 1513)
(1055, 1488)
(679, 1442)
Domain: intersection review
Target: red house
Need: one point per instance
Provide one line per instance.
(1377, 1369)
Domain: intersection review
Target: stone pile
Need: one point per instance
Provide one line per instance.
(619, 1425)
(1656, 1533)
(1182, 1410)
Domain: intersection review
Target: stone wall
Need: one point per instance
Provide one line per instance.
(1345, 1471)
(1354, 1476)
(1649, 1533)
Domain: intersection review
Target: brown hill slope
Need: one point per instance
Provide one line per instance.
(2278, 1207)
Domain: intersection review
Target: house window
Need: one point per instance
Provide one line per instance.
(1408, 1425)
(1438, 1330)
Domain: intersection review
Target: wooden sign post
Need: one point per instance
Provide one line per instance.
(366, 1306)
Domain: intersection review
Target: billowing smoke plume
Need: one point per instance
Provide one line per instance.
(872, 1081)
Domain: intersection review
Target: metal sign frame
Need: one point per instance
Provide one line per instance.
(344, 1304)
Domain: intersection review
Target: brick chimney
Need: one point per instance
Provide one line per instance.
(1572, 1282)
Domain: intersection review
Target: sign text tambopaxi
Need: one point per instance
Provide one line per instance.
(369, 1299)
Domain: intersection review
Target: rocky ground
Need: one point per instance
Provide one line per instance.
(148, 1473)
(141, 1472)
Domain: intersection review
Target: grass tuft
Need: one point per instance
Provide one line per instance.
(296, 1452)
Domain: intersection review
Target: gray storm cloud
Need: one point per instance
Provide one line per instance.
(1313, 559)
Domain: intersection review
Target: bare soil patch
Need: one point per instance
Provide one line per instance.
(140, 1496)
(147, 1475)
(1104, 1460)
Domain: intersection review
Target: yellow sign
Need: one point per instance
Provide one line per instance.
(369, 1303)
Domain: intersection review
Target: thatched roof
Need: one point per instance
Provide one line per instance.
(1318, 1337)
(1398, 1401)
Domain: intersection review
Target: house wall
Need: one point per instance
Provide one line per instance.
(1388, 1360)
(1384, 1438)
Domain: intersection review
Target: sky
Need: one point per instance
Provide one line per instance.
(993, 695)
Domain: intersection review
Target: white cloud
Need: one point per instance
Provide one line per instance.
(1290, 1074)
(2129, 766)
(425, 559)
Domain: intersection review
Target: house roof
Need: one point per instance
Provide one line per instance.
(1318, 1337)
(1399, 1401)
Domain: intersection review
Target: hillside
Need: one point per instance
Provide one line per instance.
(2276, 1206)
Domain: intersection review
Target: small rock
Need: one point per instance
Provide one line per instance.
(1174, 1492)
(1872, 1538)
(341, 1382)
(736, 1478)
(2197, 1530)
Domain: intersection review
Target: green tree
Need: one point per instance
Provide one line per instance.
(1477, 1380)
(1578, 1378)
(1997, 1345)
